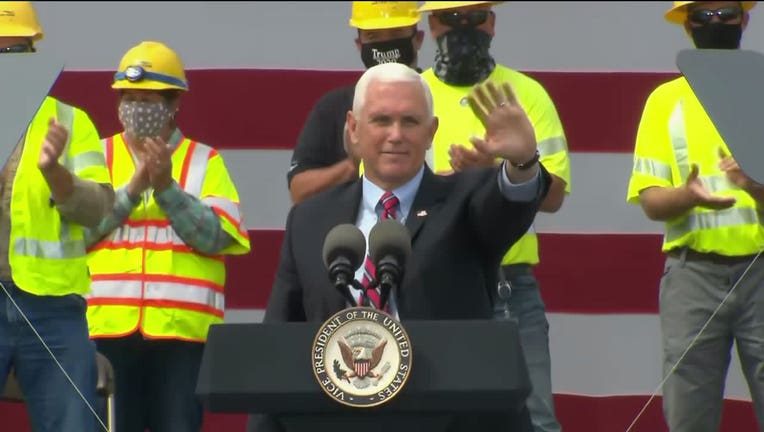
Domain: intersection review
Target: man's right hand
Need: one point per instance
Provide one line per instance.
(52, 146)
(701, 196)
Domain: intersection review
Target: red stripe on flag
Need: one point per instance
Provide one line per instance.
(576, 413)
(620, 272)
(599, 110)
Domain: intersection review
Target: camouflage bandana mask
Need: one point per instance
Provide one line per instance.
(462, 58)
(143, 119)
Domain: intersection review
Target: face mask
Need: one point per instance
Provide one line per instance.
(462, 58)
(143, 119)
(392, 51)
(717, 36)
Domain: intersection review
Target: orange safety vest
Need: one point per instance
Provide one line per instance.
(144, 276)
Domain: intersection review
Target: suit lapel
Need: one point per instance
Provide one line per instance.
(430, 193)
(345, 210)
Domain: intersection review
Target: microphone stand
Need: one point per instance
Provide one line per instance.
(357, 285)
(385, 291)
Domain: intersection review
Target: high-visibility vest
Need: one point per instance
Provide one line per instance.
(675, 132)
(457, 123)
(47, 253)
(145, 277)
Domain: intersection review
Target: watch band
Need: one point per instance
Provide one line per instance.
(528, 164)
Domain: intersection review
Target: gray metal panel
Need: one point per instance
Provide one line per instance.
(27, 79)
(730, 86)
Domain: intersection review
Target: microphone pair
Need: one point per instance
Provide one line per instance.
(344, 252)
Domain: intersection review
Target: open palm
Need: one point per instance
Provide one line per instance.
(509, 132)
(703, 197)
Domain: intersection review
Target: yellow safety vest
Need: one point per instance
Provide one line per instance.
(457, 123)
(144, 275)
(675, 132)
(46, 253)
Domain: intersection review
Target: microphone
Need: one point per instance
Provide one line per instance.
(389, 248)
(344, 251)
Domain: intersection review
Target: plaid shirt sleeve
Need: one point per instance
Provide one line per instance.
(195, 222)
(122, 208)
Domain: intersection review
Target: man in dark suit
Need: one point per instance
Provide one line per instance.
(460, 225)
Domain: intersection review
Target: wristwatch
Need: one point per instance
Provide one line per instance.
(528, 164)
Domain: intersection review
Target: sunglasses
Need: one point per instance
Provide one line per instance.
(19, 48)
(704, 16)
(471, 18)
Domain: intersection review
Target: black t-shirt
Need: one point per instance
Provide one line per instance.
(320, 143)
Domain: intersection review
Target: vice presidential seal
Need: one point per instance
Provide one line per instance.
(361, 357)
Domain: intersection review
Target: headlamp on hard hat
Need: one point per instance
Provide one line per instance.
(138, 73)
(134, 73)
(18, 48)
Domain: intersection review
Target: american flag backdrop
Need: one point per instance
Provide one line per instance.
(256, 68)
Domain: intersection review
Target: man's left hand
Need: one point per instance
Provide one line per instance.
(509, 132)
(463, 158)
(53, 146)
(734, 174)
(159, 162)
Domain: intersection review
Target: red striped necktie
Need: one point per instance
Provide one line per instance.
(388, 201)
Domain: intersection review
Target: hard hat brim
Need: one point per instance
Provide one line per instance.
(20, 31)
(383, 23)
(442, 5)
(678, 14)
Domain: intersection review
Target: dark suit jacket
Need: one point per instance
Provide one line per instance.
(456, 251)
(461, 226)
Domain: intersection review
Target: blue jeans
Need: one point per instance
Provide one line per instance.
(52, 401)
(154, 383)
(527, 308)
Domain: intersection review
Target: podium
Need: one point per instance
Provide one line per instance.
(465, 376)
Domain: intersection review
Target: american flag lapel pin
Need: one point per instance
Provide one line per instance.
(421, 213)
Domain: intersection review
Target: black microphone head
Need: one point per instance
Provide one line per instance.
(389, 238)
(347, 241)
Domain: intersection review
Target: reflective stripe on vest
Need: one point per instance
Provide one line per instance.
(733, 216)
(652, 168)
(679, 141)
(49, 249)
(230, 209)
(194, 166)
(699, 219)
(154, 237)
(162, 289)
(551, 146)
(65, 247)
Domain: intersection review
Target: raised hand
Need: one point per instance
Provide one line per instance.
(158, 161)
(509, 133)
(140, 181)
(731, 168)
(53, 146)
(463, 157)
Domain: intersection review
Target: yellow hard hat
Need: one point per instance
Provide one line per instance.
(150, 66)
(375, 15)
(678, 13)
(440, 5)
(18, 19)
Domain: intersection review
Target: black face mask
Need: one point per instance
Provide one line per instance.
(717, 36)
(462, 58)
(392, 51)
